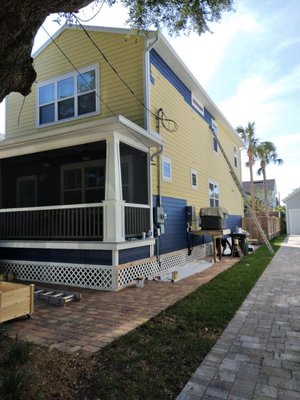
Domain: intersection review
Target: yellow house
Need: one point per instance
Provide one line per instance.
(102, 159)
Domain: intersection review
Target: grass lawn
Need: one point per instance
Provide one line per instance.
(157, 359)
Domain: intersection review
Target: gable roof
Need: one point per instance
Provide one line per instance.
(294, 193)
(165, 50)
(259, 185)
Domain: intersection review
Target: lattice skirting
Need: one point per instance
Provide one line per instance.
(151, 267)
(99, 277)
(80, 275)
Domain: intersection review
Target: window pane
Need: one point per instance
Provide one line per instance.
(47, 114)
(72, 197)
(211, 203)
(66, 109)
(167, 170)
(72, 179)
(211, 189)
(86, 81)
(194, 179)
(65, 88)
(87, 103)
(46, 94)
(94, 176)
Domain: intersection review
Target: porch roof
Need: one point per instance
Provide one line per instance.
(80, 133)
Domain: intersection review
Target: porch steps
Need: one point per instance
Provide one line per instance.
(55, 297)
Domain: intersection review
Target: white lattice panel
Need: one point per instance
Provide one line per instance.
(154, 267)
(87, 276)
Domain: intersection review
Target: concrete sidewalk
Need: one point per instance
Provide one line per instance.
(258, 355)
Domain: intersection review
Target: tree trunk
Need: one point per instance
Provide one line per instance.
(252, 186)
(19, 23)
(265, 192)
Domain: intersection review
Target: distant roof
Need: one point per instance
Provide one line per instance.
(294, 192)
(271, 185)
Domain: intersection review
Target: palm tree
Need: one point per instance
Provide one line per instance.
(247, 135)
(266, 153)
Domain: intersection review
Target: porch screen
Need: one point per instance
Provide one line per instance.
(134, 174)
(83, 182)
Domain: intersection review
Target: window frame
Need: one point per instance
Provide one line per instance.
(194, 172)
(197, 104)
(82, 166)
(211, 182)
(74, 74)
(164, 177)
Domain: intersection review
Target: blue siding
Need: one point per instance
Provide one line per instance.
(233, 221)
(137, 253)
(94, 257)
(175, 236)
(170, 75)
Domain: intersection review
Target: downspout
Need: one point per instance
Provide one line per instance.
(149, 46)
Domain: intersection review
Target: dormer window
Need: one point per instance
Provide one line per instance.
(196, 103)
(69, 96)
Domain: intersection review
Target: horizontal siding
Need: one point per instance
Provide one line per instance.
(93, 257)
(137, 253)
(175, 236)
(123, 51)
(191, 148)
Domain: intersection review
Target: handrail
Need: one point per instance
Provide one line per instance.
(59, 207)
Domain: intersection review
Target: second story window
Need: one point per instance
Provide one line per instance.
(68, 96)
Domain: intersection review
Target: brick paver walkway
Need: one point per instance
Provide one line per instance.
(258, 355)
(100, 317)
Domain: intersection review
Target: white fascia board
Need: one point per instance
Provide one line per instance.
(166, 51)
(79, 133)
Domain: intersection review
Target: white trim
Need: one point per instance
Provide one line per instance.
(81, 245)
(194, 172)
(54, 80)
(196, 103)
(167, 161)
(80, 133)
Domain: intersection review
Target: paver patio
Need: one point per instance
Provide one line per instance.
(100, 317)
(258, 355)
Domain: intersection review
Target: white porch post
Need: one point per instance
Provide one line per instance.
(113, 205)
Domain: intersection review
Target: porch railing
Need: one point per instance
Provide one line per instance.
(137, 220)
(66, 222)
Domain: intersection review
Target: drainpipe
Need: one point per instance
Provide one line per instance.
(157, 154)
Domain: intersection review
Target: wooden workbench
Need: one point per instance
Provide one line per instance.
(215, 234)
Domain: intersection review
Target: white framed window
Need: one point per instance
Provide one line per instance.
(166, 169)
(214, 194)
(196, 103)
(214, 127)
(194, 179)
(83, 182)
(235, 156)
(27, 191)
(67, 97)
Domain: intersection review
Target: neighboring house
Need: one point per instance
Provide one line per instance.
(96, 147)
(292, 204)
(259, 192)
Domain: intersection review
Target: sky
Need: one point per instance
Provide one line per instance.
(249, 66)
